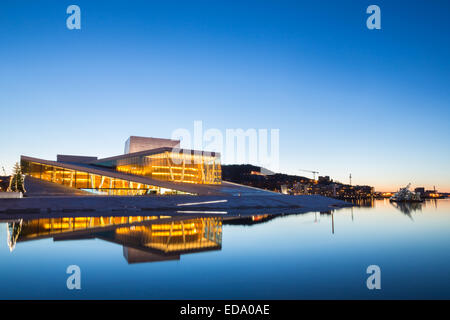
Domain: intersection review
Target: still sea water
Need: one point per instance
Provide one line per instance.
(299, 256)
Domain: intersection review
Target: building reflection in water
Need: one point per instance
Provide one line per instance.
(407, 207)
(144, 239)
(366, 202)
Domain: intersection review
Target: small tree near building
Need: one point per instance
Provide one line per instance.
(17, 179)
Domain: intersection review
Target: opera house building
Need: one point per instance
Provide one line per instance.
(148, 166)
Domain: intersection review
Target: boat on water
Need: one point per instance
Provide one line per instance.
(405, 195)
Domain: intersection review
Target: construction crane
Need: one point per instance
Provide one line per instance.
(313, 172)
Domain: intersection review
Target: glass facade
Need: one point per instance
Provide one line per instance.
(172, 166)
(98, 184)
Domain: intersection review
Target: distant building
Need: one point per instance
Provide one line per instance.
(432, 193)
(324, 180)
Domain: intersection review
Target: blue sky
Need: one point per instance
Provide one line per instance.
(374, 103)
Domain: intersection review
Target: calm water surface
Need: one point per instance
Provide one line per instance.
(303, 256)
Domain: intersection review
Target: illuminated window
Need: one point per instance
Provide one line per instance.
(97, 184)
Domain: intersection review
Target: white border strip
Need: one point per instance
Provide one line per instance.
(209, 212)
(196, 203)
